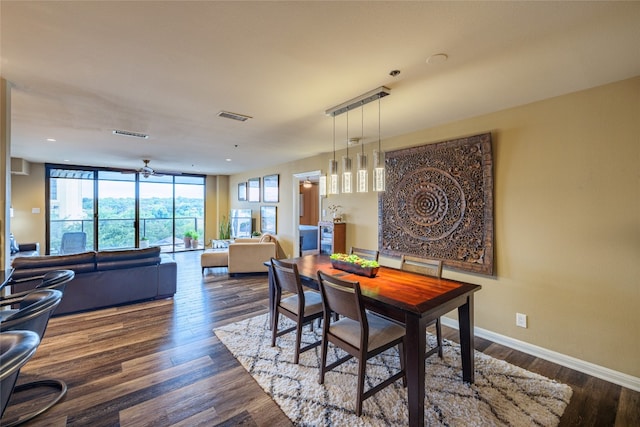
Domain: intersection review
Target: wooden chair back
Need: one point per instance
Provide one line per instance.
(286, 277)
(424, 266)
(342, 297)
(370, 254)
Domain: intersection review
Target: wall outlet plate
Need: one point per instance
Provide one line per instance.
(521, 320)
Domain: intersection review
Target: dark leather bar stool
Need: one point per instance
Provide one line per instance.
(16, 348)
(33, 315)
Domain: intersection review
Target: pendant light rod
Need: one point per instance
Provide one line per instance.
(359, 101)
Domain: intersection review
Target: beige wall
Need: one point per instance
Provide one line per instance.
(216, 205)
(567, 221)
(27, 193)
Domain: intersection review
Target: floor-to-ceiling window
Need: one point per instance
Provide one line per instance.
(113, 210)
(70, 206)
(116, 207)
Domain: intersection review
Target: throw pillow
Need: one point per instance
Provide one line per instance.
(267, 238)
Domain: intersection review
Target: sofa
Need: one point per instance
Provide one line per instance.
(243, 255)
(103, 278)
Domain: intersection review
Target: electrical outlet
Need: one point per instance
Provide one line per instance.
(521, 320)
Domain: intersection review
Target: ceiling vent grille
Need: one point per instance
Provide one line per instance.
(234, 116)
(132, 134)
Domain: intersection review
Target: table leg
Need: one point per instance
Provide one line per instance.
(465, 317)
(414, 365)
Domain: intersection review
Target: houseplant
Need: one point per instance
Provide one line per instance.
(224, 230)
(336, 212)
(194, 239)
(187, 239)
(144, 242)
(354, 264)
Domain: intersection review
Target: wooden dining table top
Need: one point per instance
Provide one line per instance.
(407, 291)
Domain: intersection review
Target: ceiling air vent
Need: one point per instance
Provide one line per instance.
(234, 116)
(133, 134)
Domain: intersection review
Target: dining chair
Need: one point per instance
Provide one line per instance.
(359, 332)
(370, 254)
(73, 242)
(426, 267)
(303, 307)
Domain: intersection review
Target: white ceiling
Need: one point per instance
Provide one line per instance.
(83, 69)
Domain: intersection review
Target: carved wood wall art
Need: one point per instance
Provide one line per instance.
(438, 203)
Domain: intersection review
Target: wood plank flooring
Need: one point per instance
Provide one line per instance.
(159, 364)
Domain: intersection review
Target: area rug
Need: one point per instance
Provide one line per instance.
(502, 395)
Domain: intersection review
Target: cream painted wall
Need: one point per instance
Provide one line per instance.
(567, 221)
(27, 192)
(216, 205)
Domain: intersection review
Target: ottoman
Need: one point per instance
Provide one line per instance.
(214, 258)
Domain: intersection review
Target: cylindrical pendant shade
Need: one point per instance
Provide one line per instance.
(333, 177)
(362, 185)
(378, 171)
(347, 177)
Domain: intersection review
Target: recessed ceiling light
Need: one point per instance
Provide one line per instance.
(227, 160)
(51, 140)
(437, 58)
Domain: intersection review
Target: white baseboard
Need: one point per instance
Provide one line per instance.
(588, 368)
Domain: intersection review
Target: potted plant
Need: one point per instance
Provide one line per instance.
(194, 239)
(354, 264)
(336, 212)
(224, 231)
(256, 234)
(144, 242)
(187, 239)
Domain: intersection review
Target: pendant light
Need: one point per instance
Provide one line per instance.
(378, 162)
(363, 175)
(347, 177)
(333, 165)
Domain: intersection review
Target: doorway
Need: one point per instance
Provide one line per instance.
(307, 212)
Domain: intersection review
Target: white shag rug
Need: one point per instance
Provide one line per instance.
(502, 395)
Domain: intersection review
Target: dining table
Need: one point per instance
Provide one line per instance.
(414, 300)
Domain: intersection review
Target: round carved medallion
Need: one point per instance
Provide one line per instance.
(430, 204)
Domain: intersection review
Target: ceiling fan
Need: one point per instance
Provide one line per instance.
(147, 171)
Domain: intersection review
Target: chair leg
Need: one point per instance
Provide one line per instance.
(274, 327)
(299, 325)
(323, 358)
(402, 362)
(362, 370)
(439, 337)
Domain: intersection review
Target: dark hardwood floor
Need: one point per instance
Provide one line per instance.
(159, 363)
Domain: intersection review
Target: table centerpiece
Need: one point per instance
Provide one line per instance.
(354, 264)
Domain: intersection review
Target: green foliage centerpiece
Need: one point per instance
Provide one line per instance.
(355, 264)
